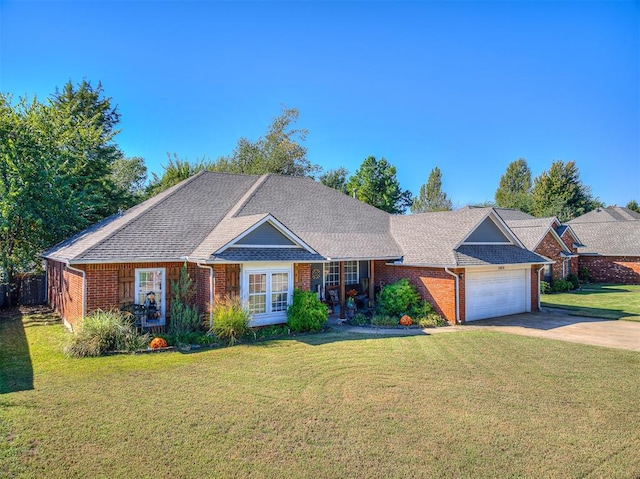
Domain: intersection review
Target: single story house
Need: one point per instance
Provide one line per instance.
(549, 238)
(611, 250)
(259, 237)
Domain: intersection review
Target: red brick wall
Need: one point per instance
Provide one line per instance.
(64, 291)
(302, 276)
(612, 269)
(220, 281)
(434, 284)
(550, 248)
(568, 240)
(535, 289)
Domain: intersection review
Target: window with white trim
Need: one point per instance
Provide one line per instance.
(332, 276)
(151, 280)
(268, 292)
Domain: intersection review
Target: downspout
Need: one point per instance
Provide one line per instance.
(84, 288)
(539, 281)
(212, 282)
(457, 294)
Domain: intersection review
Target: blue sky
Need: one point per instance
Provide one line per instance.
(468, 87)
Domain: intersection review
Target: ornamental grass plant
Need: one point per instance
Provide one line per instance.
(230, 320)
(105, 331)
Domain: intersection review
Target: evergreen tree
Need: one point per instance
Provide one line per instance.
(634, 206)
(336, 179)
(514, 190)
(375, 183)
(431, 197)
(559, 192)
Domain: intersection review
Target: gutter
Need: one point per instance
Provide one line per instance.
(539, 280)
(212, 282)
(457, 293)
(84, 288)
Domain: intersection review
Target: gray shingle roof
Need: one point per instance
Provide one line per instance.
(481, 255)
(531, 231)
(508, 214)
(611, 213)
(267, 254)
(206, 212)
(612, 238)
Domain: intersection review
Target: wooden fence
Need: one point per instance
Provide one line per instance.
(29, 290)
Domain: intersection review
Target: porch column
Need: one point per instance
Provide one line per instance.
(343, 313)
(372, 288)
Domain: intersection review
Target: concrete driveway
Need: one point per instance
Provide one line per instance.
(555, 324)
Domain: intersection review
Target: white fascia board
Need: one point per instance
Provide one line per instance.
(556, 237)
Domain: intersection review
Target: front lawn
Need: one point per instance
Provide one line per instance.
(464, 404)
(609, 301)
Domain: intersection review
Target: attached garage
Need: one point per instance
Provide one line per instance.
(496, 292)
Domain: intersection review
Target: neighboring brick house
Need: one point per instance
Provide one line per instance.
(547, 237)
(259, 237)
(611, 250)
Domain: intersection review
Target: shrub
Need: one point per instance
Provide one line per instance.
(307, 312)
(584, 275)
(545, 288)
(230, 320)
(185, 318)
(422, 309)
(561, 286)
(105, 331)
(573, 279)
(398, 298)
(431, 320)
(360, 320)
(382, 320)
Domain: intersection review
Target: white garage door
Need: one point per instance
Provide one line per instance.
(495, 293)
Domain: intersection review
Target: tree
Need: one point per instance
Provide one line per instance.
(375, 183)
(431, 196)
(55, 172)
(514, 190)
(129, 176)
(279, 151)
(86, 160)
(634, 206)
(175, 171)
(336, 179)
(559, 192)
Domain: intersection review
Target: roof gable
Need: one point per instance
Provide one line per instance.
(487, 232)
(265, 234)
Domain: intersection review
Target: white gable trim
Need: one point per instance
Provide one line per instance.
(282, 229)
(556, 237)
(502, 226)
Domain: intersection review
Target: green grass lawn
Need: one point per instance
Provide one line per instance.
(467, 404)
(609, 301)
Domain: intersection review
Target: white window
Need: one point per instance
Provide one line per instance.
(332, 273)
(267, 293)
(151, 280)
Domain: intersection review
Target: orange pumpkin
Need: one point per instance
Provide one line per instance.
(158, 343)
(406, 320)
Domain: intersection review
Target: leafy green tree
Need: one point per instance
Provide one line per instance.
(431, 196)
(175, 171)
(515, 188)
(86, 160)
(559, 192)
(129, 176)
(280, 151)
(634, 206)
(375, 183)
(56, 178)
(336, 179)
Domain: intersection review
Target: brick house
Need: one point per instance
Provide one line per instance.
(611, 250)
(547, 237)
(260, 237)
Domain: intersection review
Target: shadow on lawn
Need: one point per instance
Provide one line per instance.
(543, 321)
(16, 370)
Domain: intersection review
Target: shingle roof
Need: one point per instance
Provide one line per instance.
(199, 216)
(430, 238)
(612, 238)
(531, 231)
(508, 214)
(481, 255)
(611, 213)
